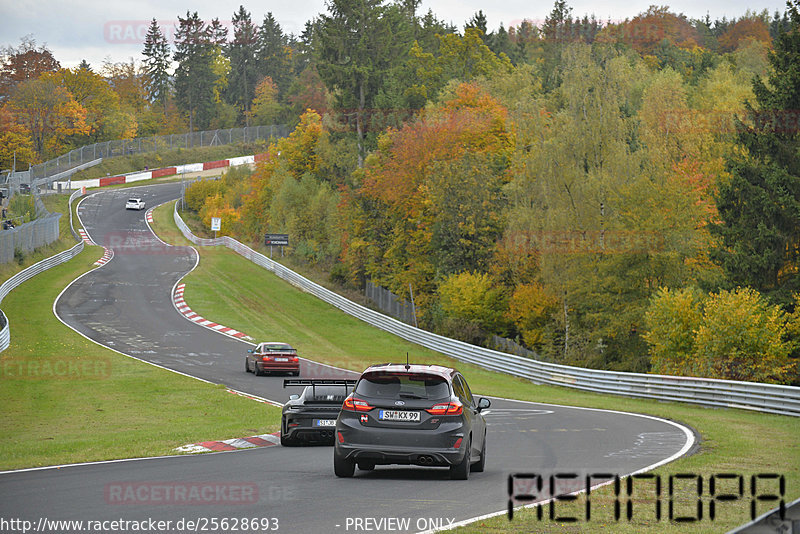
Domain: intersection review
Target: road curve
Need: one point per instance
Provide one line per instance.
(126, 305)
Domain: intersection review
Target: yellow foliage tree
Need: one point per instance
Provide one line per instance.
(530, 308)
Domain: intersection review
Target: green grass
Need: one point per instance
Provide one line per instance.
(105, 406)
(233, 291)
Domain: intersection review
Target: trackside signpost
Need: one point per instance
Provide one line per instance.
(276, 240)
(216, 225)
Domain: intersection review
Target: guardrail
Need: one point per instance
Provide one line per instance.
(768, 398)
(33, 270)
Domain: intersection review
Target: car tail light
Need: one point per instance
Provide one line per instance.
(294, 359)
(446, 408)
(340, 436)
(457, 444)
(354, 404)
(267, 358)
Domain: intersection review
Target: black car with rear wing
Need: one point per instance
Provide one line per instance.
(310, 417)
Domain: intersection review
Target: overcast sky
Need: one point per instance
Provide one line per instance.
(95, 30)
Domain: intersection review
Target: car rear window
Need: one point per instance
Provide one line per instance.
(403, 386)
(334, 394)
(277, 347)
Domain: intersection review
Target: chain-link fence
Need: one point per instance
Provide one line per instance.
(389, 303)
(42, 173)
(503, 344)
(402, 310)
(27, 237)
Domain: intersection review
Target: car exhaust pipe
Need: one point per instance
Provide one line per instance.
(425, 460)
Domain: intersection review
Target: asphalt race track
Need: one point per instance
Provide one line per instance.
(126, 305)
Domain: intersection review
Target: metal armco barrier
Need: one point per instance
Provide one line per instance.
(33, 270)
(768, 398)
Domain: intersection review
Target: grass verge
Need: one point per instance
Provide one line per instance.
(733, 441)
(66, 399)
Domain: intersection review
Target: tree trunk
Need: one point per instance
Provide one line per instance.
(360, 124)
(566, 326)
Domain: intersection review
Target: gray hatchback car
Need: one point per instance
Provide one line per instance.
(411, 415)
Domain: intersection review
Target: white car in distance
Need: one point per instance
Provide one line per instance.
(134, 204)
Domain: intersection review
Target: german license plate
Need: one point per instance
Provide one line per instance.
(281, 359)
(398, 415)
(324, 422)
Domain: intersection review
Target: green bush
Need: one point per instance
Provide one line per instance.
(734, 335)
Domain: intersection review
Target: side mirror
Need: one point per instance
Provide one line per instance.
(249, 351)
(483, 403)
(294, 397)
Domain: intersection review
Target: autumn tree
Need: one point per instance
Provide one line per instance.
(24, 62)
(734, 335)
(49, 112)
(672, 320)
(16, 146)
(459, 57)
(265, 108)
(646, 31)
(531, 309)
(432, 194)
(104, 117)
(472, 299)
(746, 28)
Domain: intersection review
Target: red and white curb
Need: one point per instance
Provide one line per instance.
(263, 440)
(149, 215)
(108, 254)
(187, 312)
(85, 237)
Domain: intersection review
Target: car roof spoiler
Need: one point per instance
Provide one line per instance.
(318, 382)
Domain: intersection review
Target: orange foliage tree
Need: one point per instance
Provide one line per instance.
(748, 28)
(647, 30)
(429, 204)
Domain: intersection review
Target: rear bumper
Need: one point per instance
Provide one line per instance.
(277, 368)
(299, 425)
(400, 456)
(397, 446)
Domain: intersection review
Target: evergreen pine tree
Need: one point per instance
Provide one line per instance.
(759, 206)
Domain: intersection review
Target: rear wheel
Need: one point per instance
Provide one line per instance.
(480, 465)
(286, 441)
(342, 467)
(256, 370)
(460, 471)
(246, 366)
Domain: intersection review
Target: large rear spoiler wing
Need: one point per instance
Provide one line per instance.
(314, 382)
(318, 382)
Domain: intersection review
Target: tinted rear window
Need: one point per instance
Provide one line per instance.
(327, 393)
(400, 386)
(277, 347)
